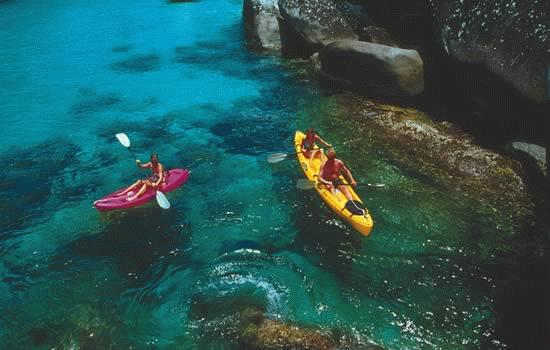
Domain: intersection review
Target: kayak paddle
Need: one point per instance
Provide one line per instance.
(162, 200)
(305, 184)
(160, 197)
(279, 157)
(125, 141)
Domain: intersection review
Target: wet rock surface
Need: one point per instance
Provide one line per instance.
(536, 154)
(317, 22)
(510, 38)
(261, 25)
(446, 154)
(378, 69)
(256, 331)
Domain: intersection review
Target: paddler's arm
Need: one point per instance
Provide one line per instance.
(348, 175)
(142, 166)
(161, 176)
(318, 138)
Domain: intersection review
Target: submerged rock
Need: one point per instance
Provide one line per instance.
(258, 332)
(137, 64)
(379, 69)
(261, 25)
(447, 155)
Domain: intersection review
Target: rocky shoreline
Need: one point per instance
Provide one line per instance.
(348, 49)
(481, 73)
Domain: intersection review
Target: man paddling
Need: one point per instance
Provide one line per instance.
(308, 144)
(152, 181)
(330, 172)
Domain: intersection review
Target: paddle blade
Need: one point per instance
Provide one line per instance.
(123, 139)
(162, 200)
(377, 185)
(305, 184)
(276, 157)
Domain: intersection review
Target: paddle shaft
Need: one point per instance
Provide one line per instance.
(346, 184)
(132, 152)
(332, 146)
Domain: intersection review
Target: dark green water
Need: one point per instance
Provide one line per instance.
(178, 80)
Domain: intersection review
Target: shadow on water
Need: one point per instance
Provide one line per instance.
(90, 101)
(251, 135)
(322, 234)
(27, 178)
(138, 63)
(228, 55)
(136, 241)
(123, 48)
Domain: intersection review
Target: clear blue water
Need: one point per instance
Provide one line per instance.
(179, 81)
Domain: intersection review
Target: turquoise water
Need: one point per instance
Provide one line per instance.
(179, 80)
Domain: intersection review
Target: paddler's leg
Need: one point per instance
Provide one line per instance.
(345, 190)
(136, 184)
(312, 155)
(142, 190)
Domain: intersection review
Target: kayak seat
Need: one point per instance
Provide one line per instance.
(355, 208)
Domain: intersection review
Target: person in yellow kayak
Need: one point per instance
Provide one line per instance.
(153, 181)
(330, 172)
(308, 144)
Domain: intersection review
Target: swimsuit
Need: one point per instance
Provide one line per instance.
(308, 143)
(153, 178)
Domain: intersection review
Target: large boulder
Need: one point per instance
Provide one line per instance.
(316, 23)
(510, 38)
(377, 69)
(261, 24)
(536, 154)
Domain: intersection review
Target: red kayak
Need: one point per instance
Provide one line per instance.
(174, 179)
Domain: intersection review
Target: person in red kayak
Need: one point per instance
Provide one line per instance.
(308, 144)
(330, 172)
(154, 181)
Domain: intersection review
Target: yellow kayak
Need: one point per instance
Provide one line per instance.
(362, 223)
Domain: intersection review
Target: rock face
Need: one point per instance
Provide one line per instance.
(535, 152)
(261, 24)
(510, 38)
(378, 35)
(315, 23)
(378, 69)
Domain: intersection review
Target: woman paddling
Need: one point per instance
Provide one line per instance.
(308, 144)
(153, 181)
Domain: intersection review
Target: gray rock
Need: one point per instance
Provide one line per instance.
(261, 25)
(378, 69)
(511, 38)
(378, 35)
(319, 22)
(536, 152)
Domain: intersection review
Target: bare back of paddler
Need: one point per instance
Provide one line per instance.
(154, 181)
(330, 172)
